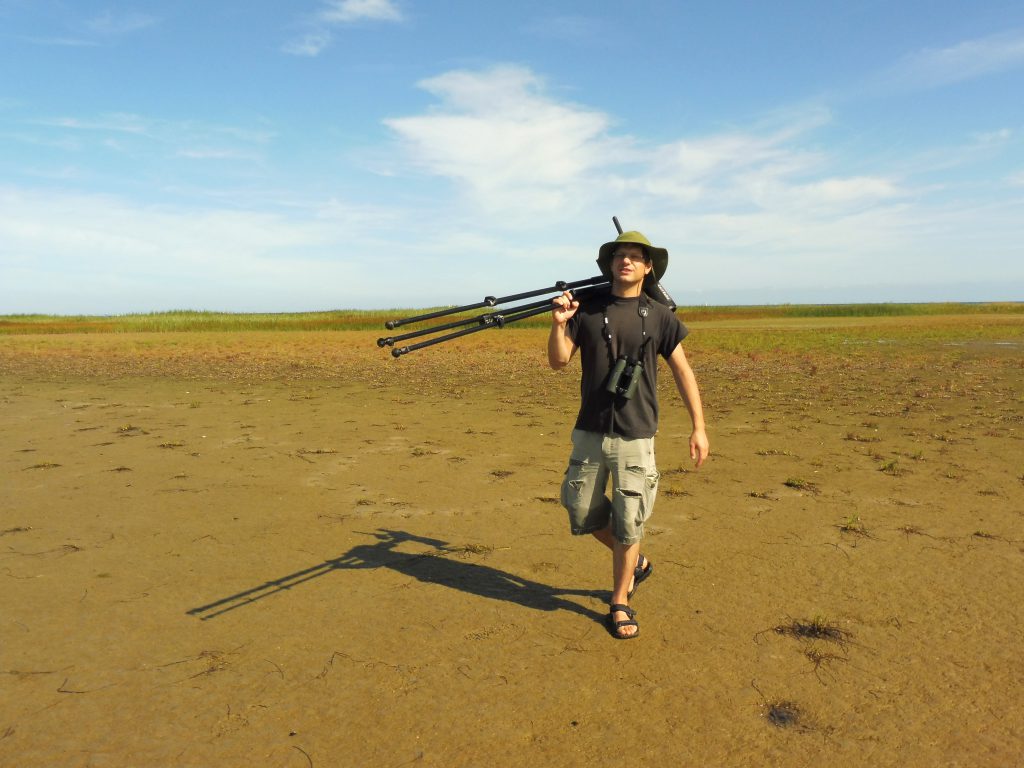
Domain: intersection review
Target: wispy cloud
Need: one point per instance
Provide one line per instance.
(63, 42)
(334, 13)
(733, 167)
(500, 136)
(348, 11)
(70, 252)
(993, 138)
(528, 160)
(571, 29)
(112, 24)
(63, 143)
(211, 153)
(934, 67)
(508, 145)
(117, 122)
(152, 145)
(310, 44)
(185, 132)
(96, 30)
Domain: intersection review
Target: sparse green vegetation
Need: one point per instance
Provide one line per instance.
(188, 320)
(853, 525)
(799, 484)
(892, 468)
(766, 336)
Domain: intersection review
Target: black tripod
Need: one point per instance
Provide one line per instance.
(482, 322)
(486, 320)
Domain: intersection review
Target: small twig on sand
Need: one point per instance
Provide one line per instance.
(310, 759)
(62, 689)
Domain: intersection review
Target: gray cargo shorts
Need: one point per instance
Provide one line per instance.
(630, 463)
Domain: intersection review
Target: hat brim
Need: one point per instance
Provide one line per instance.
(659, 258)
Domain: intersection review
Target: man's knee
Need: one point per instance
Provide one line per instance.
(633, 502)
(588, 508)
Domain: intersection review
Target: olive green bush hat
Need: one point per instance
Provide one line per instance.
(659, 256)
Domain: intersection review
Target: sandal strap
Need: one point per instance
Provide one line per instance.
(620, 608)
(642, 567)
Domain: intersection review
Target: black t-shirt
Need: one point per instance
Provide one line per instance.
(600, 410)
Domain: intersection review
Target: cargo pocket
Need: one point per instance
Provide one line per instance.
(651, 478)
(578, 476)
(638, 490)
(582, 498)
(632, 498)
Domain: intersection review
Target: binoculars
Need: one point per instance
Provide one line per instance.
(624, 377)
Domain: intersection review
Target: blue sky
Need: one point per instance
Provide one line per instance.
(315, 154)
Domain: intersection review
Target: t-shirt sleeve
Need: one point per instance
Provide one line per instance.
(674, 332)
(572, 328)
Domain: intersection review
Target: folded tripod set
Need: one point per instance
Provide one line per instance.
(580, 289)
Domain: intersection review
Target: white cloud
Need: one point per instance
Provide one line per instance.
(572, 29)
(988, 138)
(513, 150)
(933, 67)
(308, 45)
(63, 42)
(856, 189)
(111, 123)
(123, 233)
(335, 13)
(538, 178)
(67, 253)
(98, 29)
(109, 23)
(207, 153)
(734, 167)
(124, 132)
(124, 122)
(763, 206)
(501, 137)
(348, 11)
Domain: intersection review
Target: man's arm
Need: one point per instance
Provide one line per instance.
(560, 346)
(686, 383)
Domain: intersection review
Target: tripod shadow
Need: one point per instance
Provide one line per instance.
(431, 567)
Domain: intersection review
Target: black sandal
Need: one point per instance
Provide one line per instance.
(614, 626)
(640, 573)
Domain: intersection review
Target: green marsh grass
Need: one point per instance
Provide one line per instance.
(188, 320)
(752, 322)
(802, 333)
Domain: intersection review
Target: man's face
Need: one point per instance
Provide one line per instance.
(629, 264)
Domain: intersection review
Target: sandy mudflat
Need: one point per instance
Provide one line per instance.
(292, 550)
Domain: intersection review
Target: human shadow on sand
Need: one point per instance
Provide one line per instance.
(434, 566)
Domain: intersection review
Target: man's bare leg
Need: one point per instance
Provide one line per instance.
(624, 560)
(605, 537)
(624, 557)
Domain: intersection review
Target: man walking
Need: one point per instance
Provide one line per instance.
(620, 335)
